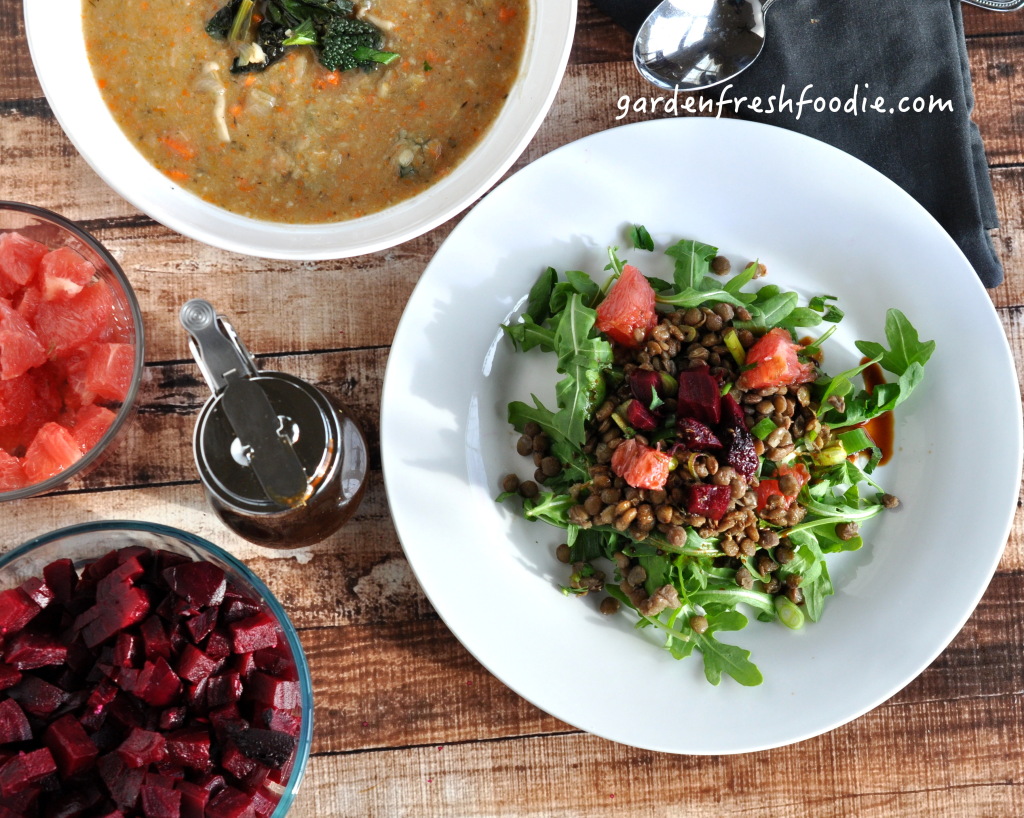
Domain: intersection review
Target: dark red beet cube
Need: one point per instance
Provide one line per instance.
(9, 676)
(218, 645)
(123, 576)
(201, 583)
(699, 395)
(24, 770)
(126, 649)
(97, 703)
(172, 718)
(193, 799)
(190, 747)
(238, 608)
(200, 625)
(158, 684)
(640, 417)
(38, 591)
(160, 802)
(230, 803)
(276, 662)
(14, 725)
(281, 720)
(254, 633)
(281, 694)
(123, 783)
(224, 689)
(28, 651)
(237, 763)
(37, 696)
(124, 608)
(155, 640)
(708, 501)
(194, 665)
(244, 664)
(141, 748)
(732, 413)
(17, 609)
(264, 802)
(62, 579)
(697, 437)
(70, 745)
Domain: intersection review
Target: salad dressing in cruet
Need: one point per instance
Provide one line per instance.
(283, 464)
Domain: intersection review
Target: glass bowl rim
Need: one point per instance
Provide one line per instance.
(127, 407)
(305, 738)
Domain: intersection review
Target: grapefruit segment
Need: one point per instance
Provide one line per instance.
(51, 451)
(12, 475)
(20, 349)
(63, 273)
(19, 261)
(76, 321)
(109, 370)
(628, 310)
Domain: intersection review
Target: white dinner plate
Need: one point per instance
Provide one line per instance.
(823, 223)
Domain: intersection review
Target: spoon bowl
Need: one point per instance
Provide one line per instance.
(694, 44)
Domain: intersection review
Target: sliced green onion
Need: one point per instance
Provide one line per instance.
(732, 341)
(789, 613)
(763, 428)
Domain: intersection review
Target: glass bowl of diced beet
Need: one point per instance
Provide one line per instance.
(71, 351)
(146, 672)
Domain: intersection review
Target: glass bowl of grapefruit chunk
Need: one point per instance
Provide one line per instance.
(71, 351)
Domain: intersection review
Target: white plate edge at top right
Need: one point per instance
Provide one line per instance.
(823, 222)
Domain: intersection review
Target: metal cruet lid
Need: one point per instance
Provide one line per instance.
(265, 440)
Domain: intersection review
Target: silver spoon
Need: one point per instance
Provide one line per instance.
(694, 44)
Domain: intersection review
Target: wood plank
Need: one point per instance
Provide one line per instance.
(1008, 186)
(999, 93)
(953, 761)
(980, 22)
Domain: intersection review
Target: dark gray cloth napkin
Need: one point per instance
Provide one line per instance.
(895, 49)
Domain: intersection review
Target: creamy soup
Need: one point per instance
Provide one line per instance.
(298, 143)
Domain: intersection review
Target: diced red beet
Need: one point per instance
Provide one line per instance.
(646, 383)
(281, 694)
(699, 396)
(195, 695)
(36, 696)
(224, 689)
(732, 413)
(200, 625)
(193, 799)
(123, 783)
(211, 782)
(125, 574)
(24, 770)
(70, 745)
(96, 705)
(239, 608)
(159, 779)
(201, 583)
(218, 645)
(38, 591)
(194, 665)
(277, 662)
(126, 651)
(160, 802)
(237, 763)
(190, 747)
(125, 607)
(264, 802)
(28, 651)
(172, 718)
(9, 676)
(244, 664)
(708, 501)
(17, 609)
(281, 720)
(14, 725)
(61, 578)
(158, 683)
(154, 638)
(99, 568)
(141, 748)
(230, 803)
(252, 634)
(697, 437)
(640, 417)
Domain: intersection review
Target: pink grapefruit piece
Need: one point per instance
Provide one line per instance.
(63, 273)
(20, 349)
(19, 261)
(64, 325)
(12, 475)
(91, 423)
(53, 450)
(109, 370)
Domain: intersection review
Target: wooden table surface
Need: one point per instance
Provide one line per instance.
(408, 723)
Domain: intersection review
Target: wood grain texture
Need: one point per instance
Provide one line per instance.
(409, 724)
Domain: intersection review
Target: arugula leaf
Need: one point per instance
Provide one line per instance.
(720, 657)
(905, 347)
(537, 303)
(641, 238)
(693, 262)
(528, 334)
(584, 285)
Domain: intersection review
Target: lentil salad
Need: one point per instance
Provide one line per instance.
(698, 447)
